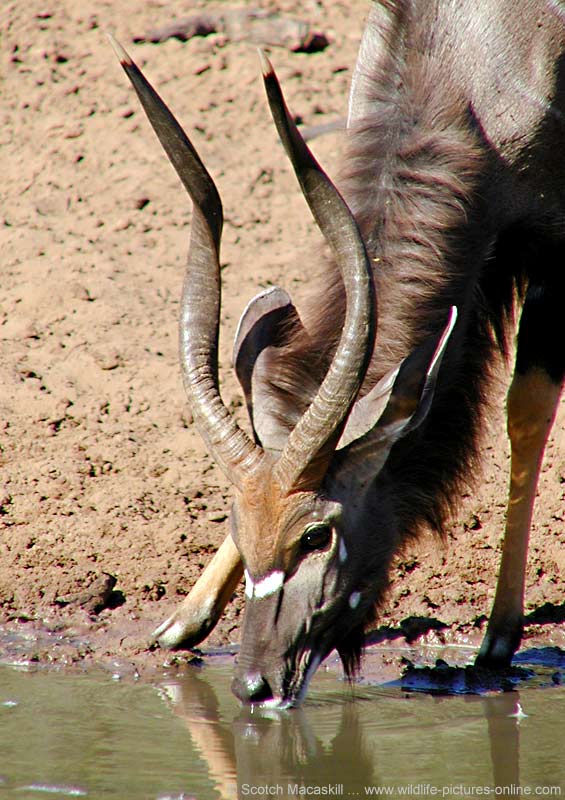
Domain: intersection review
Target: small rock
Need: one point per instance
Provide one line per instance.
(93, 599)
(216, 516)
(122, 224)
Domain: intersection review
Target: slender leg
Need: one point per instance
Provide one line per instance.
(199, 612)
(532, 405)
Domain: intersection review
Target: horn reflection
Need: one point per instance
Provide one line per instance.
(342, 744)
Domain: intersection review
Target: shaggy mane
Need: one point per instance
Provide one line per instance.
(412, 176)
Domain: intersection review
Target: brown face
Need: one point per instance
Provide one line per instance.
(298, 591)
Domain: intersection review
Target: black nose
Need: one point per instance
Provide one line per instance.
(251, 688)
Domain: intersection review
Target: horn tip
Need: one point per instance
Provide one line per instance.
(266, 66)
(123, 57)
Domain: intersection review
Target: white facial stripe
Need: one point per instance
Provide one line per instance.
(354, 599)
(342, 552)
(249, 586)
(268, 585)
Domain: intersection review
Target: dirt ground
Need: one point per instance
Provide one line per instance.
(101, 470)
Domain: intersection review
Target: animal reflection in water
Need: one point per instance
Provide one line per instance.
(331, 742)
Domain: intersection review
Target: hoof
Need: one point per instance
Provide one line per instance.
(177, 633)
(497, 651)
(169, 635)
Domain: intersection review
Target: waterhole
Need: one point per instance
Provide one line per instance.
(96, 736)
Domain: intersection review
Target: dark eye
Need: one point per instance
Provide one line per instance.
(316, 537)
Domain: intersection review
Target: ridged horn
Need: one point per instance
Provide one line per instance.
(310, 445)
(234, 451)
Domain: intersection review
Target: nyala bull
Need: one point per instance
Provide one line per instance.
(366, 414)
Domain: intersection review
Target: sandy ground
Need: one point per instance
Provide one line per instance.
(101, 470)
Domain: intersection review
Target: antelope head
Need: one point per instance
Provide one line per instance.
(310, 517)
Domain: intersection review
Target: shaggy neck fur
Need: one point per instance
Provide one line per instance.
(413, 173)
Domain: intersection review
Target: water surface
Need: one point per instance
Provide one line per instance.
(92, 736)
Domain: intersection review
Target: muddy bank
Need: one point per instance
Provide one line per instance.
(101, 471)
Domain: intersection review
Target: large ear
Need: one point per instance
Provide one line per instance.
(399, 402)
(263, 328)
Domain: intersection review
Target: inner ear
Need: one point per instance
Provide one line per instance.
(400, 401)
(272, 382)
(397, 405)
(260, 326)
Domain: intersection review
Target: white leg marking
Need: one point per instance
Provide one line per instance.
(169, 636)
